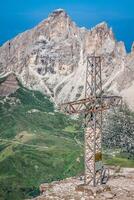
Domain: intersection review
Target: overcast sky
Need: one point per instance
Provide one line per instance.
(19, 15)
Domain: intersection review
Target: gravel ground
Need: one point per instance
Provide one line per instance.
(119, 187)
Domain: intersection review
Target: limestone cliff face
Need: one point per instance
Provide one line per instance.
(52, 58)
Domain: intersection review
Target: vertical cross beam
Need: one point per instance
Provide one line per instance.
(92, 106)
(93, 122)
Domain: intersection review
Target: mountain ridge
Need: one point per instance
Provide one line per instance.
(51, 58)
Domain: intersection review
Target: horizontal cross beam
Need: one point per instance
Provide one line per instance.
(91, 104)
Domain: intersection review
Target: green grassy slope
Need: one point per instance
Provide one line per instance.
(37, 144)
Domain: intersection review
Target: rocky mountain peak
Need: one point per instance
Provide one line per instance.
(52, 58)
(103, 25)
(58, 16)
(102, 30)
(57, 25)
(58, 12)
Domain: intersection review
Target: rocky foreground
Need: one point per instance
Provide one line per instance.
(119, 187)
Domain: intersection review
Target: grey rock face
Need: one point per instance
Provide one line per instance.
(9, 85)
(52, 58)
